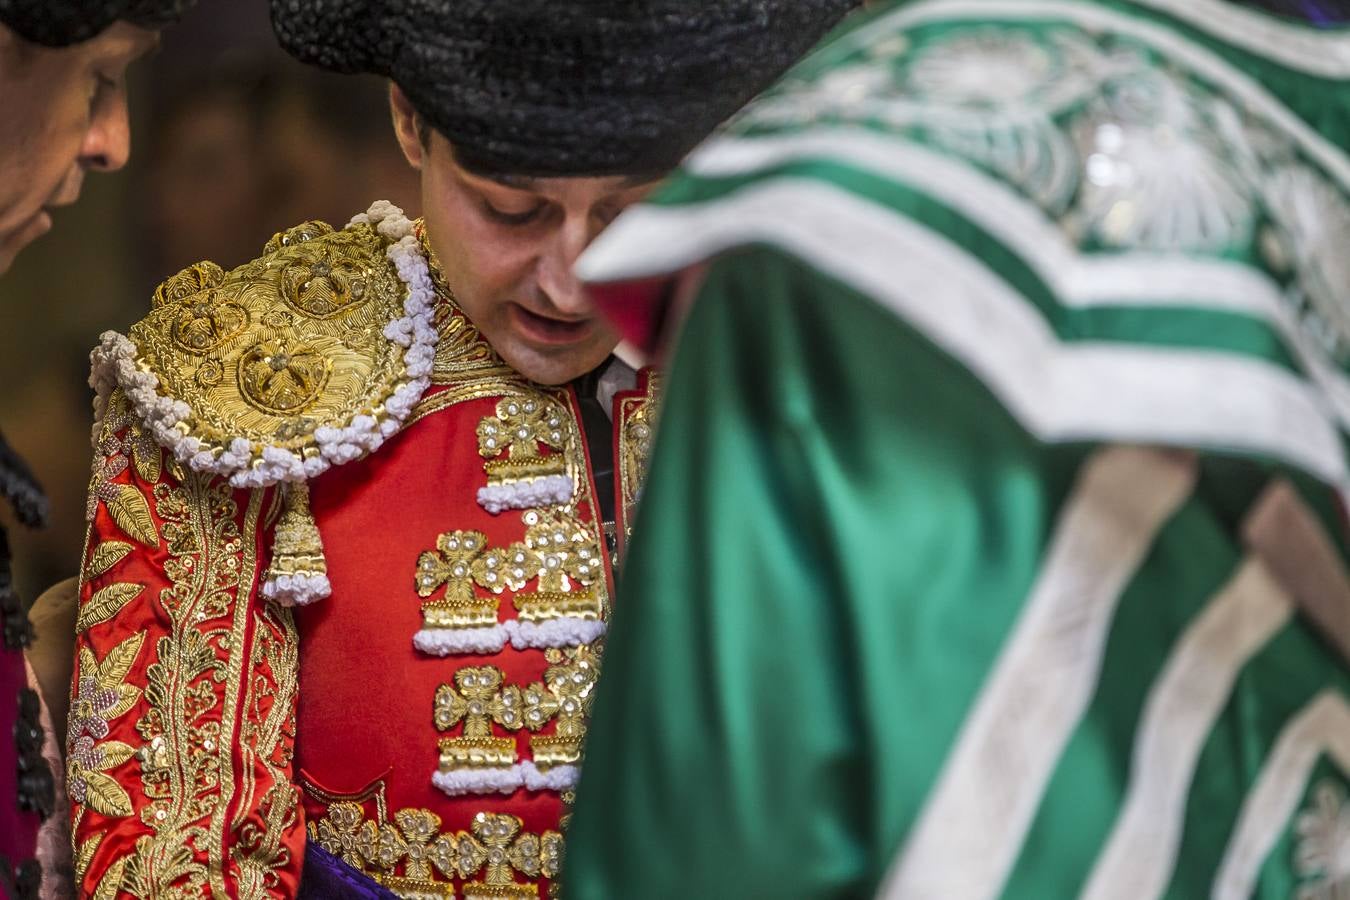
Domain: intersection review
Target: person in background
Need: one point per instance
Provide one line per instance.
(62, 115)
(994, 541)
(349, 561)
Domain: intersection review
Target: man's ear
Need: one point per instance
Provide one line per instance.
(406, 127)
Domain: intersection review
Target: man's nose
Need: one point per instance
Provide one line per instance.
(557, 269)
(107, 143)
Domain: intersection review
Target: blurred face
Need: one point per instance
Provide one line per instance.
(64, 113)
(507, 247)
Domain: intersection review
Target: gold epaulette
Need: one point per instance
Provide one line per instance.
(308, 357)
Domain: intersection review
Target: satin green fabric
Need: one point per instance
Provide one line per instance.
(840, 529)
(772, 648)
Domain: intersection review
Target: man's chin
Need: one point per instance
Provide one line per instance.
(554, 366)
(14, 242)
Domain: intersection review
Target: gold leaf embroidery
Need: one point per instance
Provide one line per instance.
(107, 603)
(115, 753)
(117, 664)
(85, 855)
(105, 556)
(131, 512)
(147, 456)
(159, 870)
(111, 882)
(521, 425)
(104, 795)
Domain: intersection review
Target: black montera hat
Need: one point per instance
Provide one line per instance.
(60, 23)
(564, 87)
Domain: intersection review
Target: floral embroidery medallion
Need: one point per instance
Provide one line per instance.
(1127, 152)
(1322, 856)
(280, 378)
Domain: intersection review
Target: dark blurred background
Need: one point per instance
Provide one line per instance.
(232, 141)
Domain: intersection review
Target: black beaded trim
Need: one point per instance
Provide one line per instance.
(23, 884)
(36, 785)
(16, 632)
(37, 788)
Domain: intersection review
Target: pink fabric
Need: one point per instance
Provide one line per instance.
(53, 841)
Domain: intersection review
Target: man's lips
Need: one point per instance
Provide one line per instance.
(547, 330)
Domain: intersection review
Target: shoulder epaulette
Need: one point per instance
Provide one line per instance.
(306, 358)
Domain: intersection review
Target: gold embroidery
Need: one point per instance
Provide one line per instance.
(567, 560)
(558, 550)
(339, 832)
(570, 682)
(259, 852)
(180, 772)
(186, 767)
(84, 855)
(414, 840)
(266, 742)
(206, 322)
(478, 699)
(194, 279)
(282, 345)
(321, 283)
(497, 849)
(124, 502)
(297, 547)
(106, 603)
(520, 426)
(494, 851)
(112, 880)
(102, 694)
(637, 420)
(281, 377)
(104, 557)
(460, 560)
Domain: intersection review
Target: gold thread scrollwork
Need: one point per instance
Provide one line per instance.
(192, 280)
(322, 284)
(281, 378)
(206, 320)
(638, 415)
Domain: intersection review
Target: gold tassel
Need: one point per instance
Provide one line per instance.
(299, 572)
